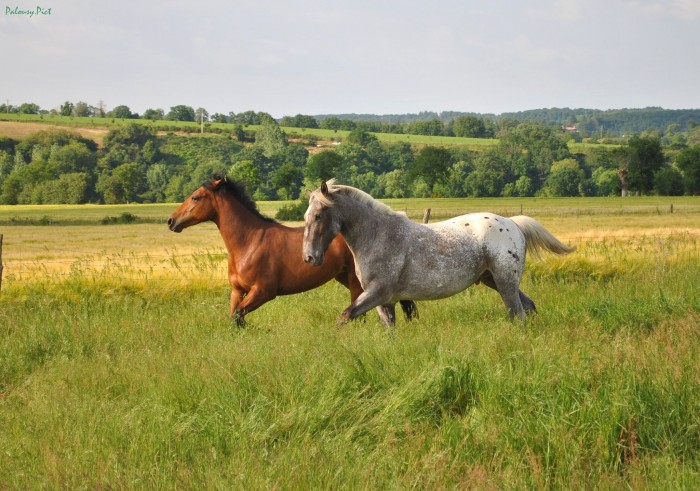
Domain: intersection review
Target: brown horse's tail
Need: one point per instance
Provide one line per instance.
(538, 238)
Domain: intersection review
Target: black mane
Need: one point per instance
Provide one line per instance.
(236, 189)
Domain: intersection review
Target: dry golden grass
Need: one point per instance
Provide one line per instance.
(33, 251)
(20, 131)
(150, 249)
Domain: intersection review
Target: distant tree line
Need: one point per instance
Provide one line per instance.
(607, 125)
(135, 165)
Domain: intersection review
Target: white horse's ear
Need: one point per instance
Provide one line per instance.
(324, 189)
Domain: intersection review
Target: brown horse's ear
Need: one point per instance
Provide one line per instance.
(324, 189)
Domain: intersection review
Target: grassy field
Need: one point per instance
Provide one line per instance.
(119, 369)
(19, 126)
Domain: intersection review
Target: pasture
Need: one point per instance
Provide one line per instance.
(19, 126)
(120, 369)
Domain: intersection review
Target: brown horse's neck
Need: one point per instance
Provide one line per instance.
(239, 227)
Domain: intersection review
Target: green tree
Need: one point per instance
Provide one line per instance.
(645, 158)
(668, 181)
(469, 126)
(11, 189)
(6, 164)
(201, 114)
(529, 149)
(299, 121)
(489, 175)
(688, 161)
(270, 138)
(565, 178)
(67, 108)
(393, 184)
(29, 108)
(181, 113)
(323, 166)
(121, 112)
(360, 137)
(247, 173)
(520, 188)
(73, 157)
(177, 189)
(287, 180)
(154, 114)
(456, 177)
(82, 110)
(431, 164)
(69, 188)
(606, 181)
(121, 185)
(157, 179)
(129, 143)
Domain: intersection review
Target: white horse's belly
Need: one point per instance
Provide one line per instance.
(441, 265)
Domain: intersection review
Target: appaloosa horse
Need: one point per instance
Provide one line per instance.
(396, 258)
(264, 257)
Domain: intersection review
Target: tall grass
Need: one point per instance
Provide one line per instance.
(116, 377)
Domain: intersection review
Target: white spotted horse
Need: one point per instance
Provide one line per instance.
(396, 258)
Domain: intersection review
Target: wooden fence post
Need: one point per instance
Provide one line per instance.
(426, 215)
(0, 262)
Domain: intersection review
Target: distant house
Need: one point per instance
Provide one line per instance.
(569, 128)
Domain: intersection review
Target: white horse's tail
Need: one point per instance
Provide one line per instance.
(538, 238)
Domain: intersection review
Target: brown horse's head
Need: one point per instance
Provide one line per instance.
(199, 207)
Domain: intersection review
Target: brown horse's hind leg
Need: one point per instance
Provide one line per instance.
(387, 313)
(350, 282)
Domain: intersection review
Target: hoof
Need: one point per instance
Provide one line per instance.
(344, 318)
(238, 319)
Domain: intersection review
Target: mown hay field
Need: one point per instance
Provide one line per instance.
(119, 368)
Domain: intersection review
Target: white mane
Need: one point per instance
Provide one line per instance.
(353, 193)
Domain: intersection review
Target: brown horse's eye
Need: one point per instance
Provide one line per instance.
(195, 198)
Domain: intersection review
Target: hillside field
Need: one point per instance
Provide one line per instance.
(19, 126)
(119, 367)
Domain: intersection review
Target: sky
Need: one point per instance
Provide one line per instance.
(288, 57)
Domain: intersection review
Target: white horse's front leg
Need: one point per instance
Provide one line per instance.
(365, 302)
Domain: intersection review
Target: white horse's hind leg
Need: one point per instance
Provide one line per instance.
(511, 299)
(526, 302)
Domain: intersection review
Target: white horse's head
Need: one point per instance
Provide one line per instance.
(321, 225)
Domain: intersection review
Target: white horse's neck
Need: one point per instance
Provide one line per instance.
(361, 224)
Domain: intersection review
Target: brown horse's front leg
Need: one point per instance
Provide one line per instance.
(256, 297)
(234, 314)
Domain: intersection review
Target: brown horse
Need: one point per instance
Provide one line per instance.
(264, 256)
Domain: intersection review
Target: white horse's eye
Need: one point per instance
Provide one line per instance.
(318, 217)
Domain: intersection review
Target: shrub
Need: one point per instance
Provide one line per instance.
(293, 212)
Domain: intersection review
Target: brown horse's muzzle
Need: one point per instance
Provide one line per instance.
(174, 225)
